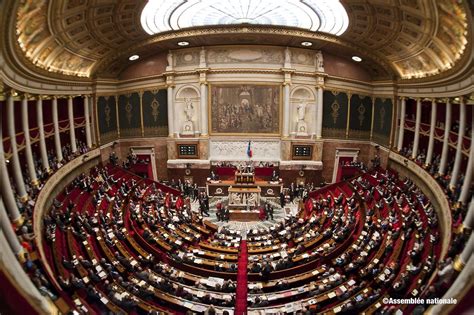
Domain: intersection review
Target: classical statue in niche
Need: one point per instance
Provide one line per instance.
(188, 127)
(301, 126)
(319, 61)
(301, 111)
(169, 58)
(188, 109)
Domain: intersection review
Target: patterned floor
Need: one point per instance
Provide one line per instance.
(278, 214)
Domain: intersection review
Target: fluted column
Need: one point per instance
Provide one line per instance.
(88, 122)
(16, 167)
(170, 111)
(72, 128)
(319, 113)
(429, 154)
(401, 130)
(5, 186)
(416, 141)
(286, 110)
(469, 170)
(447, 129)
(204, 110)
(42, 142)
(57, 135)
(26, 133)
(458, 158)
(8, 230)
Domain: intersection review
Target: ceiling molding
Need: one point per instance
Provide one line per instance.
(398, 39)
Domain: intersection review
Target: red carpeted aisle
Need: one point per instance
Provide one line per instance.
(241, 294)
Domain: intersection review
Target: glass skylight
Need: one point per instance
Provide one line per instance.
(328, 16)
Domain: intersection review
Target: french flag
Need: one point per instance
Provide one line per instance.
(249, 150)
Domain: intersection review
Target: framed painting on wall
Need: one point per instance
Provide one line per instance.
(245, 109)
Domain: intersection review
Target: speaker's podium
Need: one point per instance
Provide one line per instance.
(244, 178)
(244, 202)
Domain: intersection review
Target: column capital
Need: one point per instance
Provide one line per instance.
(10, 93)
(39, 97)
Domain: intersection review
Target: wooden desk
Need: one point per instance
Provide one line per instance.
(221, 188)
(243, 215)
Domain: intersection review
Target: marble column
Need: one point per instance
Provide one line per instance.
(42, 142)
(469, 217)
(447, 129)
(88, 122)
(16, 167)
(204, 110)
(286, 110)
(458, 158)
(401, 130)
(26, 133)
(461, 260)
(429, 154)
(469, 170)
(5, 186)
(416, 141)
(319, 112)
(57, 135)
(8, 230)
(93, 118)
(170, 111)
(72, 126)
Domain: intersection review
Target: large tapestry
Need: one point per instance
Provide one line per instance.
(129, 115)
(245, 109)
(383, 108)
(107, 112)
(360, 119)
(335, 108)
(155, 113)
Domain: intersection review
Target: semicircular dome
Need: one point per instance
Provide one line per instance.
(328, 16)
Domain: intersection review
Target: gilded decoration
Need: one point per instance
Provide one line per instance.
(154, 110)
(128, 110)
(382, 118)
(335, 111)
(86, 38)
(361, 111)
(242, 109)
(107, 114)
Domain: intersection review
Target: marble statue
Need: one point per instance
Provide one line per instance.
(169, 59)
(188, 126)
(301, 111)
(319, 61)
(188, 109)
(301, 126)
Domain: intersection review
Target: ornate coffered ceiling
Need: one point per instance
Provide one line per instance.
(396, 38)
